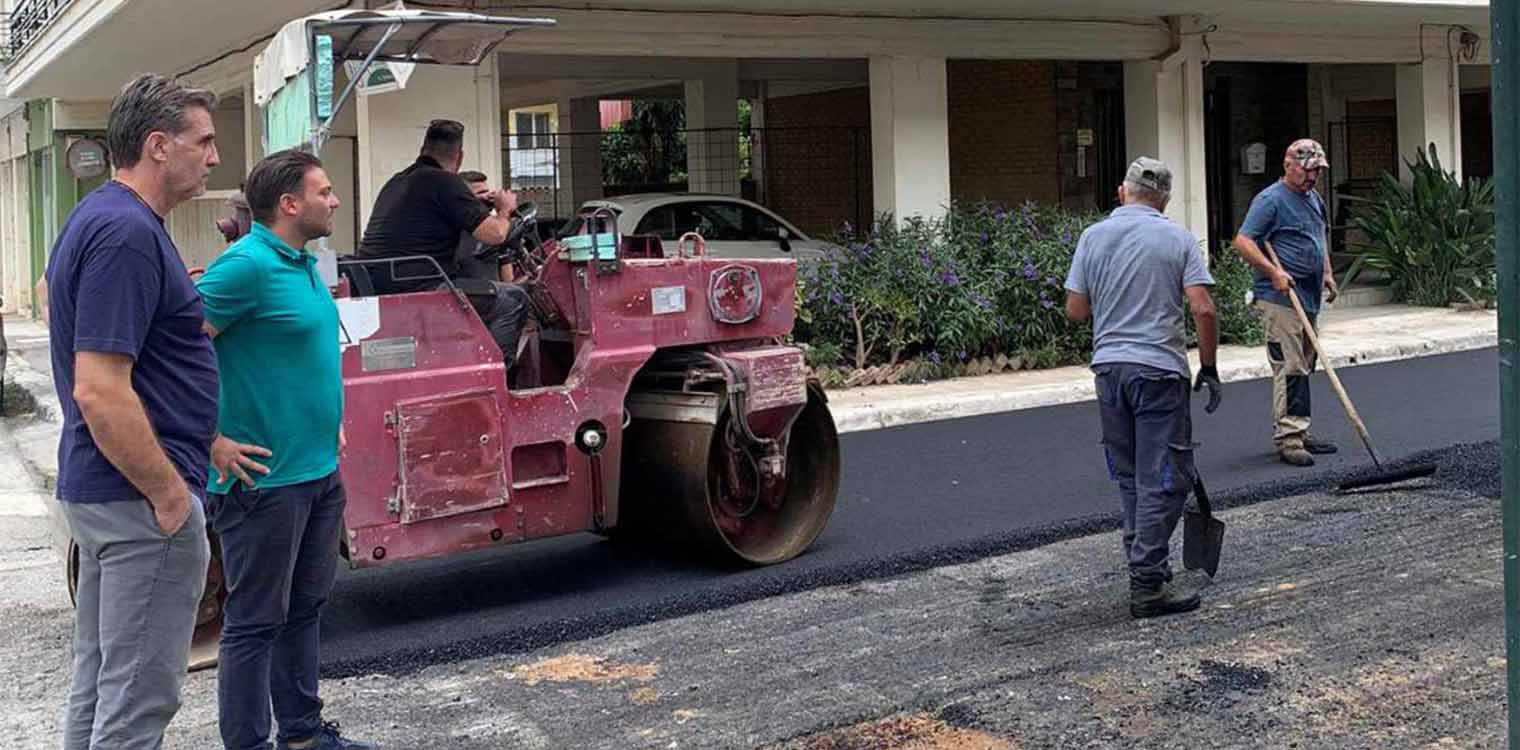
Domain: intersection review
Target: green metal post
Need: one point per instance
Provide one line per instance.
(1504, 15)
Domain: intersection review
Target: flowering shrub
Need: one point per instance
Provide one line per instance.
(975, 282)
(981, 281)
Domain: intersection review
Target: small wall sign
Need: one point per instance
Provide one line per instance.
(1253, 159)
(87, 159)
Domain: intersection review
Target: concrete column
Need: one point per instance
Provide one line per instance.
(910, 136)
(1163, 119)
(712, 119)
(391, 125)
(1430, 111)
(757, 144)
(578, 140)
(253, 127)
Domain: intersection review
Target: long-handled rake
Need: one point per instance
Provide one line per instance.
(1381, 476)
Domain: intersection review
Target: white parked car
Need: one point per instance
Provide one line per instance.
(732, 227)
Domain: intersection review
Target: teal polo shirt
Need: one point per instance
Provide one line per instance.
(277, 349)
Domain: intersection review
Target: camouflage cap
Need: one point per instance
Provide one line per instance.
(1151, 174)
(1307, 153)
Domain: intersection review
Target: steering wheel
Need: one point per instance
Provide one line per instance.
(522, 245)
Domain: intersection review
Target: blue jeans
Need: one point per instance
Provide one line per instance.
(279, 556)
(1148, 440)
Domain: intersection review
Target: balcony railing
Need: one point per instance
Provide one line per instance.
(28, 19)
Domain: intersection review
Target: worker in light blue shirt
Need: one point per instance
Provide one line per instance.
(1136, 274)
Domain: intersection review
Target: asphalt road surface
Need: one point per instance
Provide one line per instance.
(912, 498)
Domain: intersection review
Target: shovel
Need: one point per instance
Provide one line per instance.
(1202, 533)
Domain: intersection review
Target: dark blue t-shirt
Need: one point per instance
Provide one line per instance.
(116, 284)
(1294, 223)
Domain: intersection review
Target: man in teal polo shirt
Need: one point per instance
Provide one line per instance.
(275, 329)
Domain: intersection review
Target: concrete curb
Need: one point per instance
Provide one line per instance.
(36, 435)
(901, 411)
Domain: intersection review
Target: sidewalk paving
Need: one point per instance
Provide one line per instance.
(1354, 336)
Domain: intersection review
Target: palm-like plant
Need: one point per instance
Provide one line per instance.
(1433, 237)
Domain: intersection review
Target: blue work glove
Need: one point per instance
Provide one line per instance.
(1208, 376)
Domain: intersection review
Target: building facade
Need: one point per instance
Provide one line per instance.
(852, 109)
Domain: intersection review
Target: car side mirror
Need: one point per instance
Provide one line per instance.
(784, 239)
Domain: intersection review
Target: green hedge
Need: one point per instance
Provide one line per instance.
(981, 281)
(1232, 280)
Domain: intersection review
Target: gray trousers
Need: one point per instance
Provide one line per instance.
(135, 610)
(1148, 440)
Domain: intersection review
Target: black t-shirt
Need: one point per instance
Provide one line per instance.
(421, 211)
(473, 267)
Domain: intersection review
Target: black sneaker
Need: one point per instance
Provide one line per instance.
(1157, 601)
(329, 738)
(1319, 447)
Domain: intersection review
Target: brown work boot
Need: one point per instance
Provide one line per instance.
(1318, 447)
(1157, 601)
(1295, 456)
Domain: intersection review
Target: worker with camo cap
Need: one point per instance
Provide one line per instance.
(1291, 215)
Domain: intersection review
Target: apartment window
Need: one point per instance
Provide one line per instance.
(533, 130)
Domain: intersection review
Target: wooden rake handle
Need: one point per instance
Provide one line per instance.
(1335, 381)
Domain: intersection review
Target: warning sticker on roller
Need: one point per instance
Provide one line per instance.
(668, 299)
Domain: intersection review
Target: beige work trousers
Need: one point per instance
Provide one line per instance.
(1292, 358)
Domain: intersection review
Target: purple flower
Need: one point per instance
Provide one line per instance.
(837, 298)
(1047, 304)
(1030, 272)
(923, 257)
(963, 356)
(1066, 237)
(934, 357)
(1000, 214)
(1053, 280)
(986, 238)
(982, 302)
(950, 279)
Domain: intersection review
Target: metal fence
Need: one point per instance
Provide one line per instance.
(817, 178)
(28, 19)
(1362, 150)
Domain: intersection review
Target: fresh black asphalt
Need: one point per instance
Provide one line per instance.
(912, 497)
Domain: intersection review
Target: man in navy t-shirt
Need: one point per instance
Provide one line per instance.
(1291, 216)
(137, 380)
